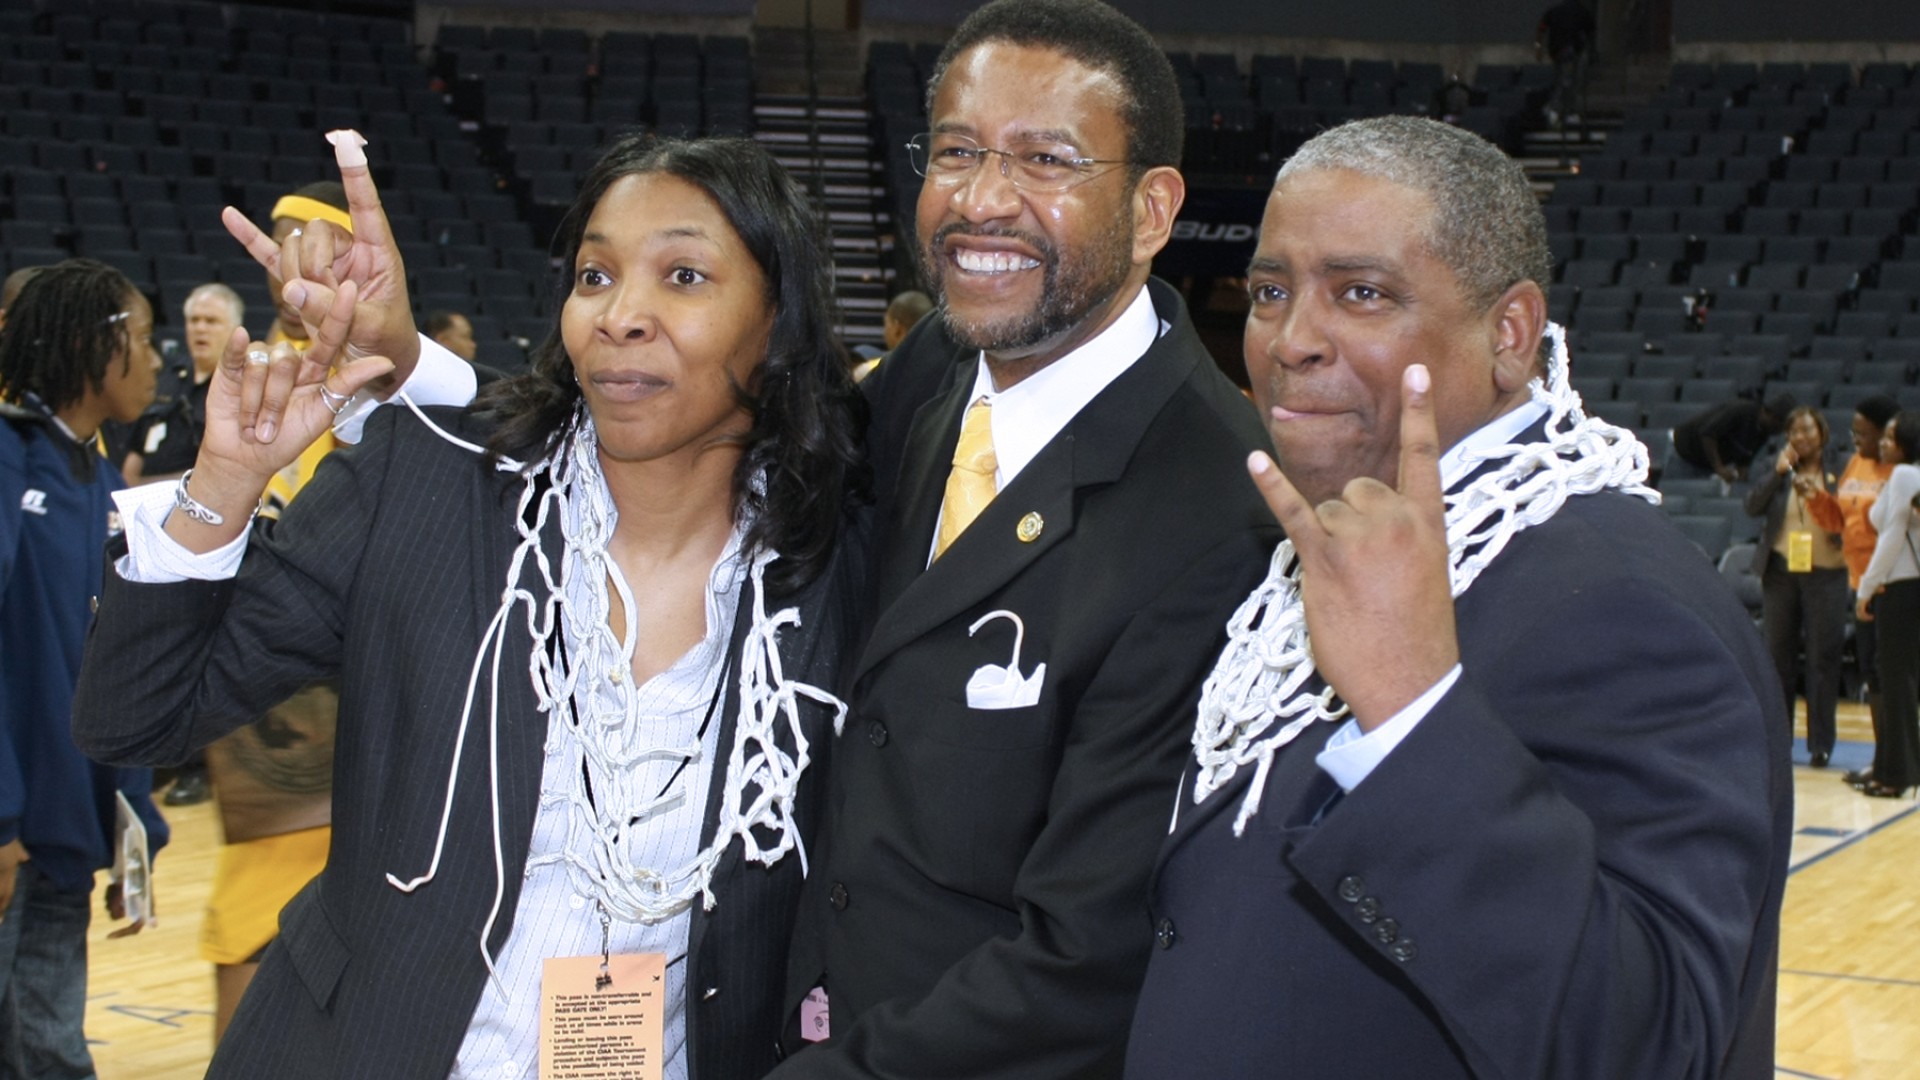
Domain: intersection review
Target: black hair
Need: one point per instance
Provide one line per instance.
(1101, 38)
(1819, 421)
(438, 321)
(1906, 435)
(1878, 409)
(63, 330)
(807, 418)
(1777, 408)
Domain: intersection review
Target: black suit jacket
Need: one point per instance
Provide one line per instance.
(978, 907)
(1572, 867)
(1768, 498)
(385, 573)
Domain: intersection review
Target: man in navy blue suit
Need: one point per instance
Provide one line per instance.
(1492, 777)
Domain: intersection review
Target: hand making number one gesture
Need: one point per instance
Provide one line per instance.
(1374, 569)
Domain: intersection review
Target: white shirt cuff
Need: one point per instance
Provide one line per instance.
(153, 557)
(440, 378)
(1351, 755)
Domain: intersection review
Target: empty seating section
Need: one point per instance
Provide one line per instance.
(1240, 124)
(1751, 232)
(125, 125)
(545, 103)
(1244, 123)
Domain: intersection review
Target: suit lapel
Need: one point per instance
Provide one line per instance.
(732, 854)
(1093, 448)
(984, 558)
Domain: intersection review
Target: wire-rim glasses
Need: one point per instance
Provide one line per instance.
(1042, 167)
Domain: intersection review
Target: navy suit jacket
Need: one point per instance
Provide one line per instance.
(1571, 867)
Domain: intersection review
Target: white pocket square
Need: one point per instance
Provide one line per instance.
(996, 687)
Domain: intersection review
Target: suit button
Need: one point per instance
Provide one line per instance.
(837, 896)
(1385, 931)
(877, 733)
(1352, 888)
(1367, 910)
(711, 993)
(1163, 934)
(1404, 950)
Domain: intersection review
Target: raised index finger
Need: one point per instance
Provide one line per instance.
(258, 244)
(1291, 508)
(363, 199)
(1419, 440)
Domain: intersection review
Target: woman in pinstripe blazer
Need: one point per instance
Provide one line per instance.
(656, 533)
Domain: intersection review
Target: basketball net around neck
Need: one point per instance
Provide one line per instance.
(1256, 699)
(761, 778)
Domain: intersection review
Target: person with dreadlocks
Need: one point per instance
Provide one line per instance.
(1492, 776)
(76, 351)
(582, 729)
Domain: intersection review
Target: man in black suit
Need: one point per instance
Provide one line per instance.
(1020, 711)
(1530, 815)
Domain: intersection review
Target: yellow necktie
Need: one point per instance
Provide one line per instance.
(970, 486)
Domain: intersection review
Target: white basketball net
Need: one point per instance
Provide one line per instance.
(761, 778)
(1254, 702)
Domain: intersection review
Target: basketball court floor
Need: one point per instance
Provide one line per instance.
(1849, 964)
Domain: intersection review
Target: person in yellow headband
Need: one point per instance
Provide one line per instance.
(323, 201)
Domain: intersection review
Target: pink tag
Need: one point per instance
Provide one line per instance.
(813, 1016)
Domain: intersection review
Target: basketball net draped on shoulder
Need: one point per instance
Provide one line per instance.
(761, 778)
(1256, 700)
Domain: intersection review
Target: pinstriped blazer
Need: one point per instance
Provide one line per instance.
(385, 574)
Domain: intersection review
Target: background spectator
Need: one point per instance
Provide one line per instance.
(1803, 575)
(168, 436)
(1722, 439)
(452, 330)
(903, 313)
(76, 351)
(1890, 596)
(11, 288)
(1860, 483)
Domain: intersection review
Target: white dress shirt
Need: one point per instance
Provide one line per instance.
(440, 378)
(556, 915)
(1027, 415)
(1351, 755)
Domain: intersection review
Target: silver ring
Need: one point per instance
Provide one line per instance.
(258, 356)
(336, 402)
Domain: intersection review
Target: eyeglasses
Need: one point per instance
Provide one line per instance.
(1041, 167)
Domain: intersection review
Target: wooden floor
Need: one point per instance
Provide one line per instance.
(1849, 968)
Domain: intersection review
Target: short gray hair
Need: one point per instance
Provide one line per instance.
(214, 288)
(1486, 226)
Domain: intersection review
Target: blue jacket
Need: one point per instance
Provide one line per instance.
(56, 513)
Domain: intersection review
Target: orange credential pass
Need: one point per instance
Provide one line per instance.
(595, 1029)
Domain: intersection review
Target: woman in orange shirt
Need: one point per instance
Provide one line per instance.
(1860, 484)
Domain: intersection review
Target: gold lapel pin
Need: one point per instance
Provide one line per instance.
(1029, 528)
